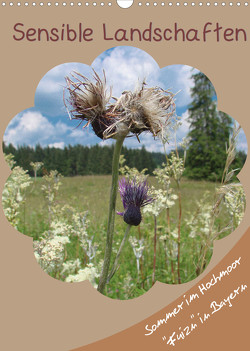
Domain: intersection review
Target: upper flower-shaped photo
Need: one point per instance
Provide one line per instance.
(124, 173)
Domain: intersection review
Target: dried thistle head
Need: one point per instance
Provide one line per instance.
(145, 109)
(88, 101)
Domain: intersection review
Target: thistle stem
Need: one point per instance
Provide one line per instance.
(179, 234)
(170, 248)
(115, 265)
(111, 217)
(203, 259)
(155, 240)
(141, 259)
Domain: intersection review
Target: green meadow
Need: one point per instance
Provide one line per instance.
(91, 194)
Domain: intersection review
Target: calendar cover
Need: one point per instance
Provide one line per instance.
(125, 186)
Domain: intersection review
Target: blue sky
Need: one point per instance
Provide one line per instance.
(48, 123)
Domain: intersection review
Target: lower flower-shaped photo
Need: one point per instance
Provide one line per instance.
(124, 173)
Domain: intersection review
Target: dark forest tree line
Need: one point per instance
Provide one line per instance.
(84, 160)
(81, 160)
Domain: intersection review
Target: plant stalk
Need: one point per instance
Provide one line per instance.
(155, 237)
(179, 234)
(111, 217)
(141, 259)
(115, 265)
(170, 248)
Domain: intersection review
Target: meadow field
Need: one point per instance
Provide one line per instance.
(91, 193)
(155, 238)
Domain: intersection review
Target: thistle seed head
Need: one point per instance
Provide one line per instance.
(145, 109)
(88, 101)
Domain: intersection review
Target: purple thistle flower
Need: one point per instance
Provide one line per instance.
(134, 195)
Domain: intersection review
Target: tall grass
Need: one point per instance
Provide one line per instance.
(90, 193)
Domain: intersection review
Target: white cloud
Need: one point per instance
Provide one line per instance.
(27, 127)
(58, 145)
(84, 136)
(147, 140)
(184, 127)
(78, 133)
(54, 80)
(31, 128)
(62, 128)
(125, 66)
(48, 86)
(178, 79)
(242, 141)
(49, 92)
(184, 82)
(107, 142)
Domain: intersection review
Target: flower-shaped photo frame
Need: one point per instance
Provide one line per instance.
(124, 173)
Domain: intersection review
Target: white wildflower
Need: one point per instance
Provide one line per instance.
(127, 285)
(36, 166)
(50, 252)
(175, 167)
(51, 186)
(138, 248)
(14, 191)
(199, 222)
(90, 273)
(90, 248)
(163, 199)
(71, 267)
(61, 227)
(162, 175)
(235, 203)
(131, 173)
(185, 142)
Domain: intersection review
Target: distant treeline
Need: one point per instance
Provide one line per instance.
(84, 160)
(81, 160)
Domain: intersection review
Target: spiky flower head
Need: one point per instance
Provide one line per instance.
(134, 195)
(88, 101)
(145, 109)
